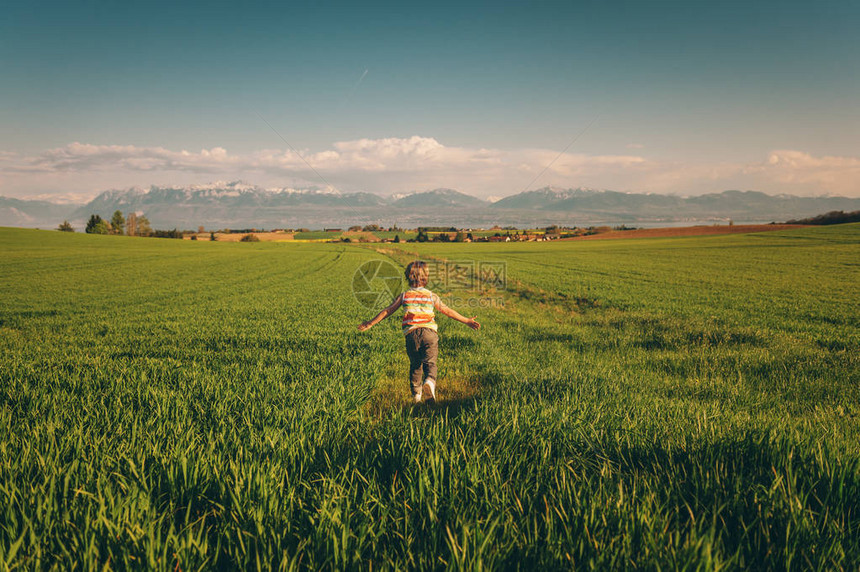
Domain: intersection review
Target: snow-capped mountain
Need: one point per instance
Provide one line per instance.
(219, 202)
(241, 205)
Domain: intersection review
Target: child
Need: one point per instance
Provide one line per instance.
(419, 326)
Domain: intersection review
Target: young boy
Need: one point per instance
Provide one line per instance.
(419, 326)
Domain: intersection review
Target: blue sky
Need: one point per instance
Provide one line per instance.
(682, 97)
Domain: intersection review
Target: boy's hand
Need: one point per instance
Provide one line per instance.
(473, 324)
(364, 326)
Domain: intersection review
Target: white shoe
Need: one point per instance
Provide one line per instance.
(416, 397)
(430, 387)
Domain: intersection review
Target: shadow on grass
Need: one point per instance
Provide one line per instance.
(454, 397)
(450, 408)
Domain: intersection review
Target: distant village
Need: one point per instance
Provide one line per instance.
(378, 234)
(452, 234)
(139, 225)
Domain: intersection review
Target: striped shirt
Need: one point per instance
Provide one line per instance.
(418, 303)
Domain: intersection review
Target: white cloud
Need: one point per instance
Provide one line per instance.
(840, 175)
(77, 157)
(402, 164)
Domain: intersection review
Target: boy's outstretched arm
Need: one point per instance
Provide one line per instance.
(451, 313)
(382, 315)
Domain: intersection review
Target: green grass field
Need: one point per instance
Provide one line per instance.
(651, 404)
(317, 235)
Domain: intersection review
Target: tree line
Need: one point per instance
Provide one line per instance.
(833, 217)
(133, 225)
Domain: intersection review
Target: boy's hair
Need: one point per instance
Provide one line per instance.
(417, 274)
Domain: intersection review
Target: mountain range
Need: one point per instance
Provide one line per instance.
(32, 214)
(240, 205)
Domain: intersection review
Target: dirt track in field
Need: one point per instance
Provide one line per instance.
(236, 237)
(687, 231)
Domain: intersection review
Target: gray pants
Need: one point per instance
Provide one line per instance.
(422, 347)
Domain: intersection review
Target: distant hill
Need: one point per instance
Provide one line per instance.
(32, 214)
(541, 199)
(240, 205)
(439, 198)
(610, 202)
(743, 205)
